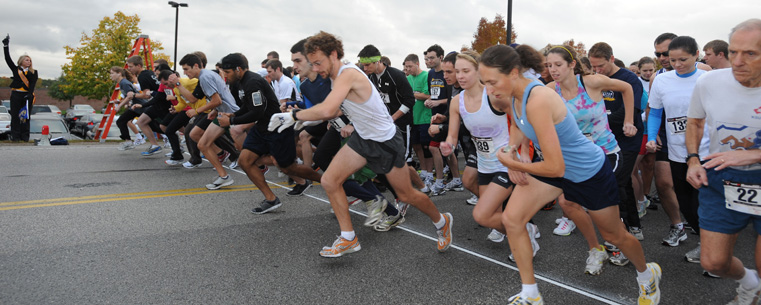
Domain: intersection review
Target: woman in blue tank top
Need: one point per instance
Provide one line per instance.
(572, 165)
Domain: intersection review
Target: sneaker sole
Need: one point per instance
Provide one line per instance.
(683, 238)
(347, 251)
(562, 234)
(302, 192)
(451, 238)
(386, 229)
(272, 208)
(212, 187)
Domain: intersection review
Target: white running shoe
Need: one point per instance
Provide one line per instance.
(472, 200)
(565, 227)
(496, 236)
(595, 261)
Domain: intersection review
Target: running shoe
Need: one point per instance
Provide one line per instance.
(496, 236)
(694, 255)
(340, 247)
(675, 236)
(233, 164)
(169, 154)
(472, 200)
(595, 261)
(388, 222)
(375, 210)
(427, 188)
(151, 150)
(746, 296)
(519, 299)
(619, 259)
(188, 164)
(173, 162)
(166, 141)
(265, 169)
(220, 182)
(126, 145)
(402, 207)
(445, 233)
(299, 189)
(140, 140)
(549, 206)
(642, 207)
(637, 232)
(438, 189)
(649, 292)
(565, 227)
(223, 156)
(267, 206)
(711, 275)
(533, 234)
(611, 247)
(454, 186)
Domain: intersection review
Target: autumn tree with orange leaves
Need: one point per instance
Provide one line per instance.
(491, 33)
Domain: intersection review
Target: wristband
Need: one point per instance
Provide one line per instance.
(293, 114)
(691, 156)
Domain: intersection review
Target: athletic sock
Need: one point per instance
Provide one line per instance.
(439, 182)
(750, 279)
(644, 277)
(457, 180)
(679, 226)
(441, 223)
(530, 290)
(348, 235)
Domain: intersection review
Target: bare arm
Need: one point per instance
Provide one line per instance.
(331, 106)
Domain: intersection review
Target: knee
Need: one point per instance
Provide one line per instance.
(480, 217)
(512, 223)
(329, 183)
(713, 264)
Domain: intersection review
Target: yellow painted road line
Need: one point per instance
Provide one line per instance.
(14, 205)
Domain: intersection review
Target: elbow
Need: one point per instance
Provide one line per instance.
(557, 170)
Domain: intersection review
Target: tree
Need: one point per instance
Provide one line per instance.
(491, 33)
(579, 48)
(87, 74)
(58, 90)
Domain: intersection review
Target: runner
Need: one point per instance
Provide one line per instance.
(375, 142)
(716, 54)
(726, 103)
(440, 93)
(572, 165)
(670, 94)
(583, 96)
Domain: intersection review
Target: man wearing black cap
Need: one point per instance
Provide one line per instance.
(258, 103)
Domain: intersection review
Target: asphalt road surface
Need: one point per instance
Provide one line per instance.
(87, 224)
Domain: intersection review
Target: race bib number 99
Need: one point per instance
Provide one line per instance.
(744, 198)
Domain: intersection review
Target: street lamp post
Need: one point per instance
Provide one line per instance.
(176, 21)
(509, 22)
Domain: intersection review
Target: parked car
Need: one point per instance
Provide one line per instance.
(7, 104)
(56, 126)
(5, 122)
(75, 113)
(44, 109)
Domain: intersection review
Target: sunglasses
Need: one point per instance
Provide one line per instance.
(659, 54)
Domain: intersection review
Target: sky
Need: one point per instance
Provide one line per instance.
(41, 28)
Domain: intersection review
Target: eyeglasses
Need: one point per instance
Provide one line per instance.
(664, 54)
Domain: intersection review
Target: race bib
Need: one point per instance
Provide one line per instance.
(677, 125)
(435, 91)
(484, 145)
(742, 197)
(385, 98)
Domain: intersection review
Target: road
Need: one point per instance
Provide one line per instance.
(87, 224)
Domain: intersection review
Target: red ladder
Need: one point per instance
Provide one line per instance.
(142, 47)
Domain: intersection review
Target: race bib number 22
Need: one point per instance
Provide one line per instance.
(744, 198)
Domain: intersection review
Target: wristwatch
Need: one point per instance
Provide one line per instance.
(691, 156)
(177, 84)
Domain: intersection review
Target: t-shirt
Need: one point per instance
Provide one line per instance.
(297, 82)
(183, 104)
(285, 88)
(732, 113)
(257, 99)
(213, 83)
(125, 86)
(148, 80)
(314, 92)
(439, 90)
(420, 113)
(614, 103)
(672, 93)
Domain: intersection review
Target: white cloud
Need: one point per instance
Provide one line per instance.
(396, 27)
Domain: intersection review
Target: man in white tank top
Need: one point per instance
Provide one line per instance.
(376, 143)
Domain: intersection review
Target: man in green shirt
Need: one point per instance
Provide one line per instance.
(421, 117)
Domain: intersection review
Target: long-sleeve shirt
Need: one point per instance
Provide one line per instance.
(17, 83)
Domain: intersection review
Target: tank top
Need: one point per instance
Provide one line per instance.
(591, 117)
(370, 118)
(583, 159)
(489, 132)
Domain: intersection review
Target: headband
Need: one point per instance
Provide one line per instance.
(562, 47)
(369, 60)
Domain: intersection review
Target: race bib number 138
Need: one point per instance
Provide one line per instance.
(744, 198)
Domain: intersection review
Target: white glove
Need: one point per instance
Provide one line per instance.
(301, 124)
(282, 120)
